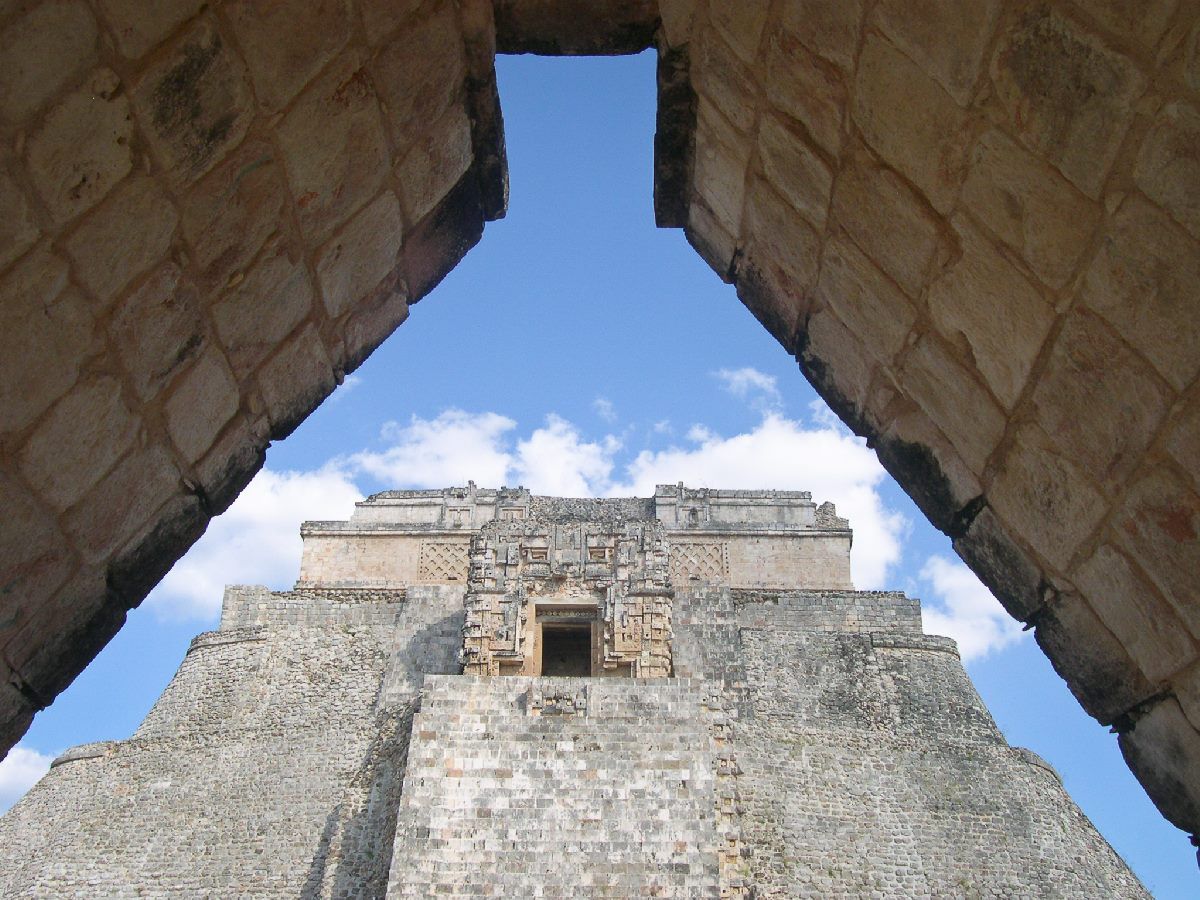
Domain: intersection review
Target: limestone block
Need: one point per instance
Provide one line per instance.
(1105, 681)
(42, 51)
(1098, 401)
(83, 147)
(374, 318)
(783, 251)
(1143, 280)
(947, 38)
(1046, 496)
(723, 80)
(1183, 441)
(807, 88)
(722, 158)
(1168, 164)
(710, 239)
(226, 216)
(1068, 96)
(795, 170)
(677, 18)
(435, 163)
(228, 467)
(436, 244)
(420, 73)
(920, 457)
(124, 238)
(1145, 624)
(78, 441)
(1029, 206)
(834, 359)
(1191, 70)
(294, 381)
(1186, 687)
(286, 44)
(140, 26)
(1004, 567)
(890, 223)
(828, 27)
(911, 121)
(123, 504)
(864, 299)
(194, 103)
(200, 406)
(263, 308)
(1159, 526)
(35, 558)
(16, 712)
(361, 255)
(17, 228)
(382, 18)
(42, 318)
(741, 25)
(1163, 750)
(158, 328)
(949, 393)
(334, 148)
(1143, 20)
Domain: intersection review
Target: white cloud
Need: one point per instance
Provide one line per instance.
(662, 426)
(256, 541)
(604, 409)
(453, 448)
(19, 771)
(781, 453)
(556, 460)
(748, 383)
(965, 610)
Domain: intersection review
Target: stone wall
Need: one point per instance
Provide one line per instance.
(974, 225)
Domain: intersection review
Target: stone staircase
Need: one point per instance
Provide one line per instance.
(559, 787)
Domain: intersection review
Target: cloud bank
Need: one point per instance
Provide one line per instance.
(19, 771)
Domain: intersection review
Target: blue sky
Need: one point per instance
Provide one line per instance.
(579, 350)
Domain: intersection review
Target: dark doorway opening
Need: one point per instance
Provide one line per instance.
(567, 650)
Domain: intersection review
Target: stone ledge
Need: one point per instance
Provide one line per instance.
(94, 750)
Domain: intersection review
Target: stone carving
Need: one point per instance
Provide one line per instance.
(442, 562)
(705, 561)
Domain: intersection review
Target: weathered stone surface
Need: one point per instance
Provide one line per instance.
(947, 38)
(194, 103)
(724, 80)
(1143, 20)
(795, 170)
(78, 441)
(226, 216)
(1147, 626)
(910, 121)
(677, 18)
(1160, 528)
(44, 316)
(263, 308)
(138, 26)
(1168, 164)
(1088, 370)
(573, 27)
(931, 375)
(123, 504)
(82, 148)
(742, 26)
(205, 399)
(158, 328)
(1068, 96)
(291, 43)
(1045, 489)
(984, 301)
(35, 559)
(721, 162)
(435, 163)
(1184, 439)
(41, 51)
(361, 255)
(1001, 565)
(1143, 280)
(837, 363)
(864, 299)
(420, 73)
(228, 467)
(334, 148)
(1029, 206)
(827, 27)
(382, 18)
(890, 223)
(1160, 750)
(294, 381)
(807, 88)
(18, 232)
(124, 238)
(1104, 680)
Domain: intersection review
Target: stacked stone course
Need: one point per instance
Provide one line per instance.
(324, 741)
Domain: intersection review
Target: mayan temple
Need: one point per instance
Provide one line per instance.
(484, 693)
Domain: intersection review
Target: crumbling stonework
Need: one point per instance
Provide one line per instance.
(974, 225)
(806, 740)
